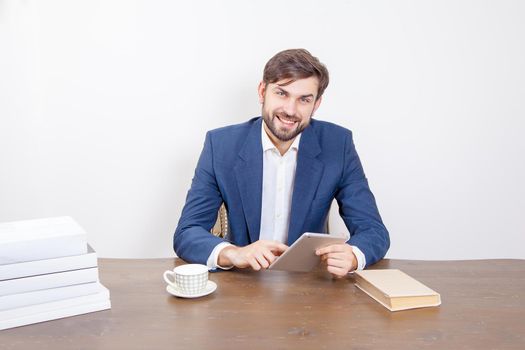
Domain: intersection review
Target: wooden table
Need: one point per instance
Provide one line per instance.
(483, 308)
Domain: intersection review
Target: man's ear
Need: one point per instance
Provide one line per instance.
(317, 104)
(261, 89)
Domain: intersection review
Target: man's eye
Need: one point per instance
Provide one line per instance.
(305, 100)
(280, 93)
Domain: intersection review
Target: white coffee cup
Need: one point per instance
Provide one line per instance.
(189, 279)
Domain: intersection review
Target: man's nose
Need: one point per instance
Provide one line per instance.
(290, 107)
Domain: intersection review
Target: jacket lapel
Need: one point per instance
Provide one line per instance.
(248, 173)
(308, 174)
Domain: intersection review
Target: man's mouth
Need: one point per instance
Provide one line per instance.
(287, 122)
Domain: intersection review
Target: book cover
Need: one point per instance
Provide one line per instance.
(54, 310)
(13, 301)
(46, 281)
(45, 266)
(101, 295)
(39, 239)
(396, 290)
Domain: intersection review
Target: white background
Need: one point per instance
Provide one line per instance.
(104, 106)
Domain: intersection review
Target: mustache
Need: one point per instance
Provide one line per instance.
(285, 116)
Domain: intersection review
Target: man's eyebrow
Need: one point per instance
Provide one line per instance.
(306, 96)
(287, 92)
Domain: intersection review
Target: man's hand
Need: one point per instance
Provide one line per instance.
(258, 255)
(339, 259)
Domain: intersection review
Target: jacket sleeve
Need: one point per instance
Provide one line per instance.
(358, 208)
(192, 240)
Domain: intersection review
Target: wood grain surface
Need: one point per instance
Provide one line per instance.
(483, 308)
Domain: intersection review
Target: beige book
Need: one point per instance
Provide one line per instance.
(396, 290)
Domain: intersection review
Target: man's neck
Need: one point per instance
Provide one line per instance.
(282, 146)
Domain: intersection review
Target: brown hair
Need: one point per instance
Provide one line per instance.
(295, 64)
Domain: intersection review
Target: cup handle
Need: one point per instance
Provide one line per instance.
(169, 281)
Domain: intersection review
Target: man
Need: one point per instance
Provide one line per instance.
(277, 176)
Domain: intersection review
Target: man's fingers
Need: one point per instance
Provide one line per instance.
(336, 256)
(337, 271)
(277, 247)
(259, 254)
(344, 264)
(334, 248)
(254, 264)
(261, 259)
(268, 255)
(329, 249)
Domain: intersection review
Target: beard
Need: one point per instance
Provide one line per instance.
(281, 133)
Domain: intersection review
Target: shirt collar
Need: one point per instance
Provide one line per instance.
(267, 144)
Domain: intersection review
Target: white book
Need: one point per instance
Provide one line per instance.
(55, 310)
(41, 239)
(45, 266)
(55, 314)
(50, 280)
(101, 295)
(14, 301)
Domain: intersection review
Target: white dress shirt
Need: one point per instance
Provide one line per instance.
(278, 181)
(277, 190)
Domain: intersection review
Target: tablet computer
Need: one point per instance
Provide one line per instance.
(300, 256)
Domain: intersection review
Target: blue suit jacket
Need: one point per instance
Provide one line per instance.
(230, 170)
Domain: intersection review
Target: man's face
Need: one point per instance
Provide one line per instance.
(287, 109)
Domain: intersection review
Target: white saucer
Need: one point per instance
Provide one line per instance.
(210, 288)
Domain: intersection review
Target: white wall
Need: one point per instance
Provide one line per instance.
(104, 106)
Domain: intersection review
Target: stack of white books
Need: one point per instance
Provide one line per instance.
(47, 271)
